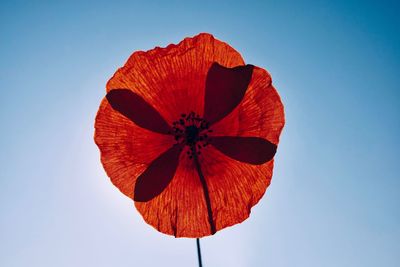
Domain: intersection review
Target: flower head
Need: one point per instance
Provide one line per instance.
(189, 132)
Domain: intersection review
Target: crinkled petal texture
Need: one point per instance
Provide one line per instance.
(126, 149)
(260, 113)
(172, 80)
(235, 187)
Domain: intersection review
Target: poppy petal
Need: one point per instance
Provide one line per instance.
(158, 175)
(181, 209)
(253, 150)
(122, 143)
(234, 187)
(225, 88)
(259, 114)
(172, 79)
(137, 110)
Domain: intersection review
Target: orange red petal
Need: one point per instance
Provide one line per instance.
(137, 110)
(126, 149)
(260, 113)
(252, 150)
(180, 210)
(172, 79)
(158, 175)
(225, 88)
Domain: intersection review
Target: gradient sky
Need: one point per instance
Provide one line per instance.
(334, 198)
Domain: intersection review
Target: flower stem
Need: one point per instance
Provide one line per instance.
(199, 252)
(206, 193)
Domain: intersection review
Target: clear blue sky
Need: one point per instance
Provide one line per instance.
(334, 198)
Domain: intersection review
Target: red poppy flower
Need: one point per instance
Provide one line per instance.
(189, 132)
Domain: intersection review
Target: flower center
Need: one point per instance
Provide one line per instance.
(192, 130)
(191, 134)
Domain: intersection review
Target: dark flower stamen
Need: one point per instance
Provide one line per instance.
(191, 130)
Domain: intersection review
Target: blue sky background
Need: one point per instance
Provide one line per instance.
(334, 198)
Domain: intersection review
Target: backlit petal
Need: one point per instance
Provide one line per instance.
(253, 150)
(225, 88)
(234, 186)
(172, 79)
(126, 149)
(260, 113)
(158, 175)
(137, 110)
(180, 210)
